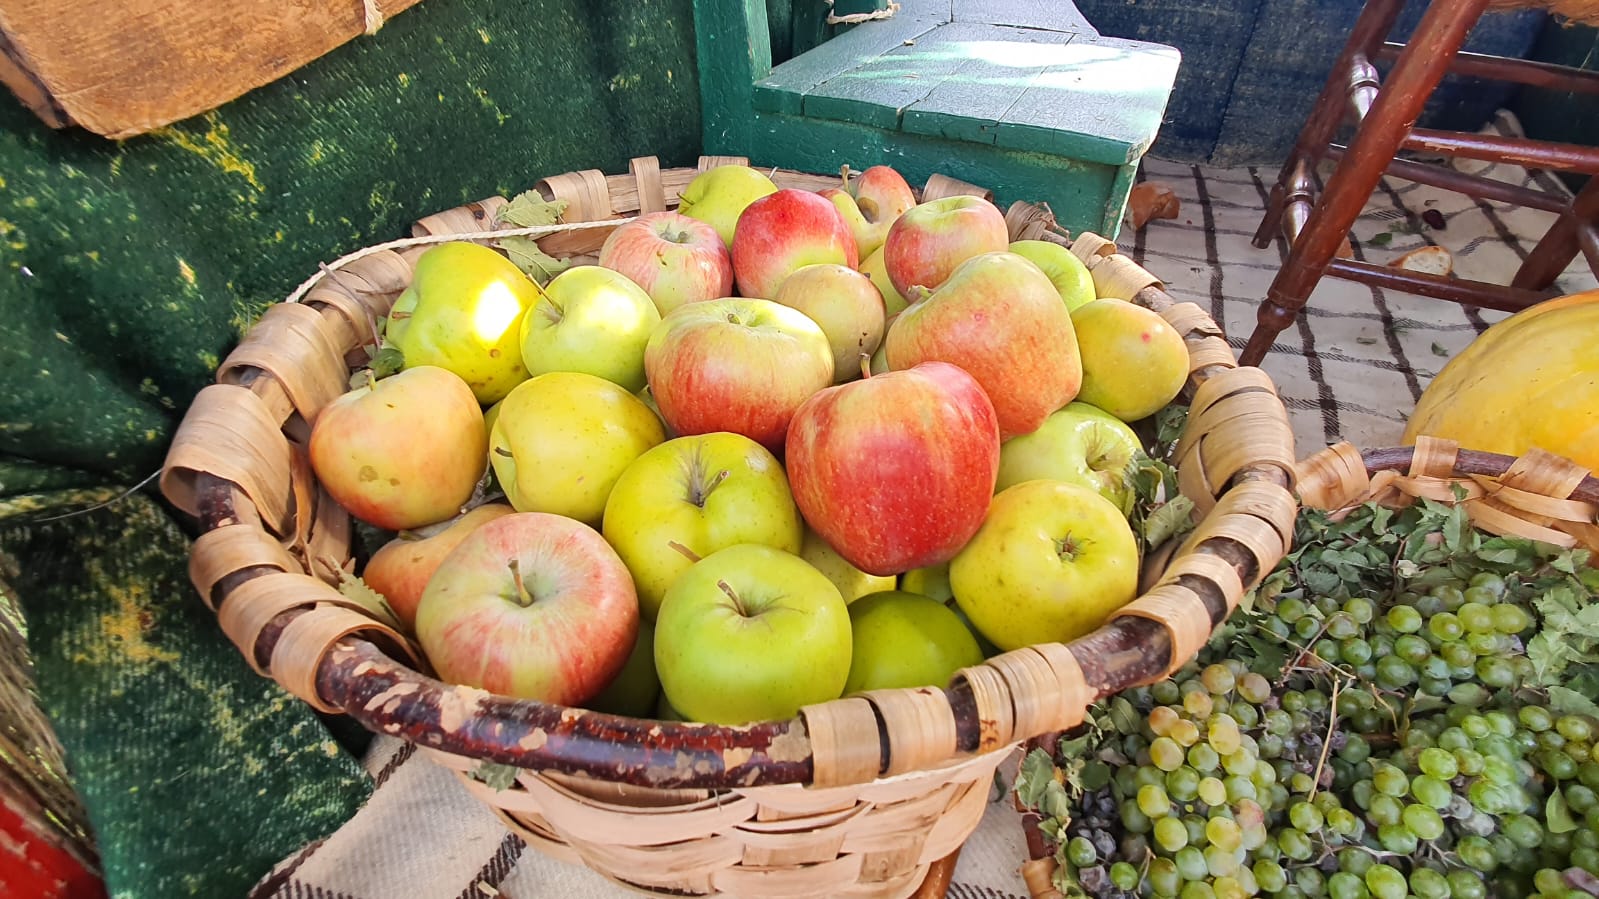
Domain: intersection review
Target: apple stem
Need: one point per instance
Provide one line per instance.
(866, 365)
(689, 553)
(916, 293)
(1067, 548)
(523, 597)
(738, 604)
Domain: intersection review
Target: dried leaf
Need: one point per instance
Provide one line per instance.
(351, 587)
(1151, 200)
(526, 254)
(529, 210)
(1171, 519)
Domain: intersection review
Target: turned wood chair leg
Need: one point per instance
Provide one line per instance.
(1371, 28)
(1420, 67)
(1559, 245)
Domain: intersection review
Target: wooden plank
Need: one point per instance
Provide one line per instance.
(1003, 64)
(876, 91)
(1054, 15)
(735, 50)
(1102, 105)
(125, 68)
(784, 88)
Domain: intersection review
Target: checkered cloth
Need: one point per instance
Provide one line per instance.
(1351, 368)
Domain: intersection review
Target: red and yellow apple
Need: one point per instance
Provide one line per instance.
(530, 605)
(870, 204)
(1051, 563)
(784, 232)
(401, 568)
(846, 306)
(1116, 337)
(1001, 320)
(896, 471)
(676, 259)
(736, 364)
(562, 439)
(402, 452)
(928, 242)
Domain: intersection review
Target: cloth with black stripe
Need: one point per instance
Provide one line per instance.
(1350, 368)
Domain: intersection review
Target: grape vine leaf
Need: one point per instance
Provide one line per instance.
(530, 210)
(1565, 701)
(526, 255)
(1558, 814)
(1037, 771)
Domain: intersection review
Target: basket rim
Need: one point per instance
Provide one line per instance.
(361, 677)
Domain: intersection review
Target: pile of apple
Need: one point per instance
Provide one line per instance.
(776, 447)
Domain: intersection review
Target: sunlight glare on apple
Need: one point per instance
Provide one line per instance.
(497, 309)
(617, 311)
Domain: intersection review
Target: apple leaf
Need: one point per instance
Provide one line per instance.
(1037, 772)
(495, 776)
(1170, 519)
(351, 587)
(529, 210)
(526, 255)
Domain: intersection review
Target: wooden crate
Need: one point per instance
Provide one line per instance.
(124, 68)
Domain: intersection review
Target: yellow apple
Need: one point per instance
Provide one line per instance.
(1068, 273)
(851, 582)
(718, 196)
(463, 312)
(1134, 362)
(563, 438)
(590, 319)
(872, 267)
(846, 306)
(1051, 562)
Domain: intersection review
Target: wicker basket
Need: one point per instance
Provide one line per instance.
(855, 797)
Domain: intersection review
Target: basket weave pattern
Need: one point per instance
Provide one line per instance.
(856, 797)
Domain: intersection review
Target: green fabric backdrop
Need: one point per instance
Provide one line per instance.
(131, 268)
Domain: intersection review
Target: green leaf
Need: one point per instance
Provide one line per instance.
(351, 587)
(529, 210)
(1381, 239)
(1037, 772)
(387, 361)
(1269, 657)
(1169, 520)
(1366, 341)
(1124, 718)
(525, 253)
(1558, 814)
(495, 776)
(1438, 350)
(1055, 802)
(1169, 424)
(1095, 774)
(1569, 702)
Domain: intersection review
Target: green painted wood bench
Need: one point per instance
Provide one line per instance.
(1021, 96)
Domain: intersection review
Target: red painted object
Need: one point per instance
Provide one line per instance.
(36, 863)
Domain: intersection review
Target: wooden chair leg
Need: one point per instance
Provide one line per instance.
(1427, 56)
(1371, 28)
(1559, 245)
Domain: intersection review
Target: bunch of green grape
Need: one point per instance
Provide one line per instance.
(1396, 754)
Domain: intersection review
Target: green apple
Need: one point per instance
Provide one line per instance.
(592, 320)
(1081, 444)
(691, 496)
(637, 689)
(1051, 562)
(1115, 339)
(932, 582)
(872, 267)
(751, 633)
(665, 712)
(906, 640)
(463, 312)
(562, 440)
(1068, 273)
(718, 197)
(852, 583)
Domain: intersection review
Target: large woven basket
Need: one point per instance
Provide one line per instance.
(860, 796)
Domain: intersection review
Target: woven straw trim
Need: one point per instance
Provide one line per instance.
(228, 431)
(1235, 421)
(941, 186)
(1207, 345)
(231, 549)
(1182, 613)
(750, 842)
(919, 726)
(1532, 499)
(1256, 515)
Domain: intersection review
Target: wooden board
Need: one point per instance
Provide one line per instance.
(1000, 68)
(124, 68)
(1104, 104)
(1055, 15)
(784, 89)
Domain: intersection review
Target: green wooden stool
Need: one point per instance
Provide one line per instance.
(1022, 97)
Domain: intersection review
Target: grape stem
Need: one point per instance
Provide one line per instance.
(1326, 743)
